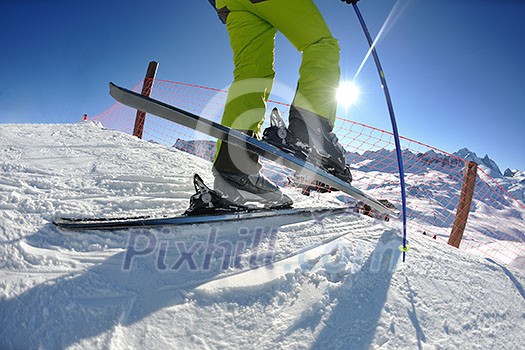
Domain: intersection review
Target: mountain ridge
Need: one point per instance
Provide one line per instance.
(512, 181)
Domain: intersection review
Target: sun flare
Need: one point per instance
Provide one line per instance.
(347, 93)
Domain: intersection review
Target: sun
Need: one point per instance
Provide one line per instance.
(347, 93)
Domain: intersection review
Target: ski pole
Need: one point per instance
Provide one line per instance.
(394, 125)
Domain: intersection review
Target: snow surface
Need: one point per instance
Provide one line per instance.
(288, 283)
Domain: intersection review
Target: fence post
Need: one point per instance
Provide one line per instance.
(140, 119)
(467, 192)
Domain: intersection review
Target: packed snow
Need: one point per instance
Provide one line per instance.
(333, 282)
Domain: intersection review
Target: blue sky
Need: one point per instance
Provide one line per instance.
(454, 67)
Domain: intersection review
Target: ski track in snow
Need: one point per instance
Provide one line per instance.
(291, 283)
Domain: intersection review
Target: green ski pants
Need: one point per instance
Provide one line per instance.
(252, 26)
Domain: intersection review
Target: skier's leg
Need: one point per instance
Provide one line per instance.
(313, 109)
(302, 23)
(252, 42)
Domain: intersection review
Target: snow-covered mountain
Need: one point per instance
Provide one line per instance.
(512, 180)
(488, 165)
(512, 173)
(514, 183)
(289, 283)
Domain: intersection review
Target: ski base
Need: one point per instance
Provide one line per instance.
(179, 220)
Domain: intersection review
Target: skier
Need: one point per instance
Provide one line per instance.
(252, 26)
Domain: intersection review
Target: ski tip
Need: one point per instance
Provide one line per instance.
(115, 91)
(112, 87)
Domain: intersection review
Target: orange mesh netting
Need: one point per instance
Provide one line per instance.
(496, 225)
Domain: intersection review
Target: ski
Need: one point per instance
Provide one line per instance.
(216, 130)
(206, 206)
(179, 220)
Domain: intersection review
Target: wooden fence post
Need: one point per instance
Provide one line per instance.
(467, 192)
(140, 119)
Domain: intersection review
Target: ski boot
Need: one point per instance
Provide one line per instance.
(238, 178)
(278, 135)
(309, 137)
(206, 201)
(243, 189)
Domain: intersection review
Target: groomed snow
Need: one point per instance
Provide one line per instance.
(289, 283)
